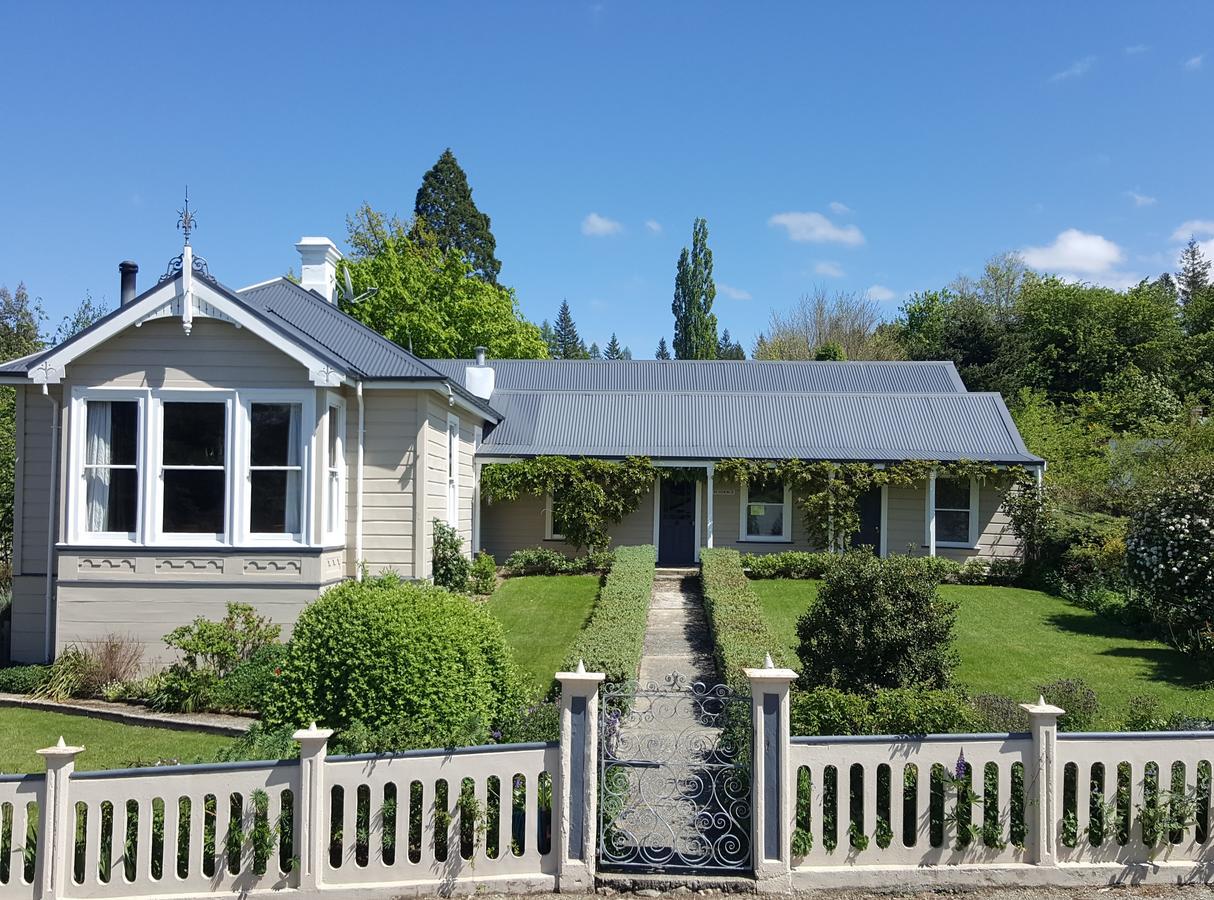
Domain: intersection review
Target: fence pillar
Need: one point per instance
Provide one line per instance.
(772, 782)
(1041, 783)
(56, 834)
(576, 825)
(312, 831)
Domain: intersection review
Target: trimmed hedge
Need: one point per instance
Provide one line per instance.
(545, 561)
(740, 636)
(827, 711)
(799, 564)
(792, 564)
(614, 637)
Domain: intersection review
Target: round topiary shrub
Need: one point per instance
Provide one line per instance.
(411, 662)
(1170, 554)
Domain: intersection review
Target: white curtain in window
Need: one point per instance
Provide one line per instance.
(98, 456)
(294, 478)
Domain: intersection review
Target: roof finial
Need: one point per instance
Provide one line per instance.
(185, 219)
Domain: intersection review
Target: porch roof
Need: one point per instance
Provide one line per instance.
(756, 425)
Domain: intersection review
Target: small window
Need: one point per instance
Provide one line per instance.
(194, 468)
(453, 472)
(765, 512)
(111, 471)
(275, 470)
(335, 471)
(953, 511)
(555, 516)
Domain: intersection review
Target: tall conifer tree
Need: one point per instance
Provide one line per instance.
(444, 202)
(695, 327)
(663, 352)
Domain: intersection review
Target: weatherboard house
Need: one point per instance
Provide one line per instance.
(201, 444)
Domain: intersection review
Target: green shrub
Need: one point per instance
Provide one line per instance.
(261, 742)
(449, 566)
(740, 636)
(483, 578)
(613, 639)
(425, 666)
(545, 561)
(23, 679)
(827, 711)
(877, 623)
(246, 687)
(1076, 698)
(541, 722)
(995, 712)
(793, 564)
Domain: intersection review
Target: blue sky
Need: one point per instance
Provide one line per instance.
(882, 147)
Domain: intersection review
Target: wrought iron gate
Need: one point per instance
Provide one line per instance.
(674, 778)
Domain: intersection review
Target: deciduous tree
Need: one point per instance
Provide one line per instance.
(695, 326)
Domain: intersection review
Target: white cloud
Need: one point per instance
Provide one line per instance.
(1075, 251)
(733, 293)
(1140, 199)
(880, 292)
(595, 225)
(829, 269)
(1076, 69)
(1194, 228)
(1193, 63)
(839, 209)
(653, 226)
(1135, 49)
(815, 228)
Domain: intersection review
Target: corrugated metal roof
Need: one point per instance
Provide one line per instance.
(756, 376)
(310, 317)
(705, 425)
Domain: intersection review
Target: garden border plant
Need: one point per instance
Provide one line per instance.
(614, 638)
(740, 636)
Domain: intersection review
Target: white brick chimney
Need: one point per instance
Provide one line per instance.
(318, 258)
(478, 379)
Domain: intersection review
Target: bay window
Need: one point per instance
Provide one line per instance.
(956, 512)
(766, 512)
(111, 467)
(193, 467)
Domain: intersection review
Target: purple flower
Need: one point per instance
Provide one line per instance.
(959, 770)
(497, 735)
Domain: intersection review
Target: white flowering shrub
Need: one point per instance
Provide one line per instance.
(1170, 553)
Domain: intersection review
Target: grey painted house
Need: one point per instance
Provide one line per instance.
(202, 444)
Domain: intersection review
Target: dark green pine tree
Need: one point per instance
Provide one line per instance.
(594, 352)
(663, 352)
(549, 338)
(695, 327)
(830, 351)
(728, 348)
(444, 203)
(1194, 275)
(567, 343)
(626, 353)
(614, 350)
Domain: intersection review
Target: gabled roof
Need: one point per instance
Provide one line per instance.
(715, 375)
(711, 425)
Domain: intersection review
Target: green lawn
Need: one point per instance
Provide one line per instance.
(107, 745)
(542, 615)
(1011, 640)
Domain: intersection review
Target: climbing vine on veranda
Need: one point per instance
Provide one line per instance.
(593, 493)
(827, 492)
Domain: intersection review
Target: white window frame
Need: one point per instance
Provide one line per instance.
(549, 534)
(77, 492)
(334, 519)
(786, 534)
(237, 452)
(972, 541)
(306, 399)
(453, 453)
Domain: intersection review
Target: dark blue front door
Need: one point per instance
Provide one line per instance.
(677, 523)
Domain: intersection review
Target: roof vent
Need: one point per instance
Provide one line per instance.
(318, 258)
(478, 379)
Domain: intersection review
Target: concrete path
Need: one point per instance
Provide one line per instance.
(676, 638)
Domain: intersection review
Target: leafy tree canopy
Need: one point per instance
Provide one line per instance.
(695, 326)
(427, 299)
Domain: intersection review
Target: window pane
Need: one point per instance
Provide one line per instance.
(559, 521)
(953, 527)
(275, 439)
(334, 432)
(765, 519)
(952, 493)
(110, 438)
(112, 497)
(194, 435)
(193, 500)
(275, 502)
(767, 492)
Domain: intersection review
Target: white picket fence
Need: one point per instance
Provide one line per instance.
(1042, 807)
